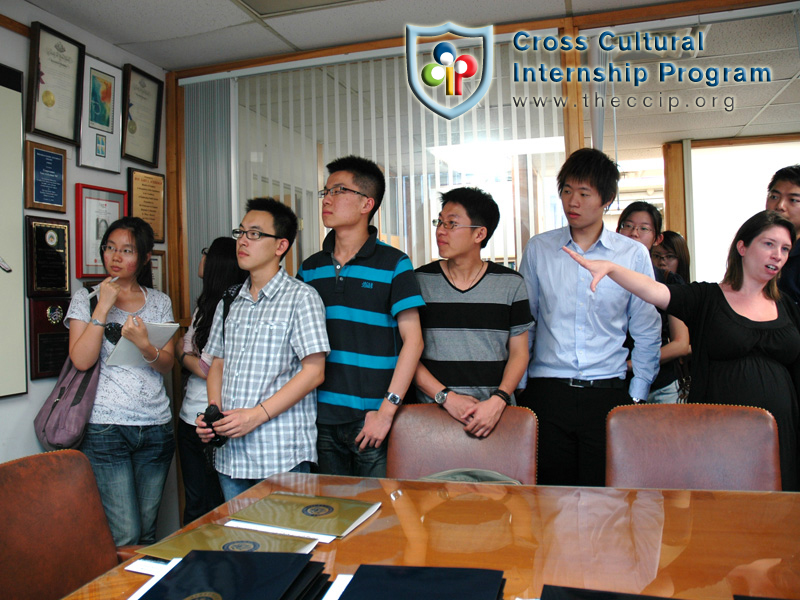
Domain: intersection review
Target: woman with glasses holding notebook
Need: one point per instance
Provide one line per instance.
(129, 439)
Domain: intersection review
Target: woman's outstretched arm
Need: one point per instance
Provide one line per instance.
(638, 284)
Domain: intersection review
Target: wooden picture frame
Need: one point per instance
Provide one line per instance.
(146, 199)
(158, 260)
(141, 130)
(101, 116)
(55, 85)
(45, 177)
(47, 256)
(95, 209)
(49, 337)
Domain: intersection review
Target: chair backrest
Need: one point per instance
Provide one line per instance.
(55, 536)
(425, 439)
(692, 446)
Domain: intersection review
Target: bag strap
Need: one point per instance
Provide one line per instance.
(227, 299)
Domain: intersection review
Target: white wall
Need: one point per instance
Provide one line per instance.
(17, 412)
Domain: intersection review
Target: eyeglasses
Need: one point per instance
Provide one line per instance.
(253, 234)
(452, 224)
(338, 190)
(113, 332)
(204, 251)
(657, 256)
(126, 252)
(628, 226)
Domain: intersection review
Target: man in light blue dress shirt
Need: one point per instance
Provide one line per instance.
(578, 363)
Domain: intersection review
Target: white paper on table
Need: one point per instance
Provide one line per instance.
(153, 580)
(320, 537)
(337, 587)
(127, 354)
(148, 566)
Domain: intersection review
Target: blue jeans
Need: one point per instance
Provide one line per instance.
(339, 453)
(233, 487)
(130, 464)
(669, 394)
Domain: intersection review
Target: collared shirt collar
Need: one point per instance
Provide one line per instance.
(269, 290)
(606, 239)
(368, 249)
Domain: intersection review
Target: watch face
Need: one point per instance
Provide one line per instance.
(393, 398)
(440, 397)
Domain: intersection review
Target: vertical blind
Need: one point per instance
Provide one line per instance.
(293, 122)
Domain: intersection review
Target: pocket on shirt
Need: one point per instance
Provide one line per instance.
(272, 336)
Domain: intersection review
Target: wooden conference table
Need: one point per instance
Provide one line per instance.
(672, 543)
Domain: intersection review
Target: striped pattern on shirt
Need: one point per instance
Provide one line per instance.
(466, 332)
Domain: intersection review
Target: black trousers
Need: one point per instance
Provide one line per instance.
(200, 482)
(572, 430)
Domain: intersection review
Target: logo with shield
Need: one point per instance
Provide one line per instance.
(449, 69)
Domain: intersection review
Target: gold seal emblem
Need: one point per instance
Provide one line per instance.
(131, 126)
(48, 98)
(204, 596)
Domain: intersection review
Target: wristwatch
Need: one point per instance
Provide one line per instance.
(393, 398)
(96, 322)
(441, 397)
(638, 400)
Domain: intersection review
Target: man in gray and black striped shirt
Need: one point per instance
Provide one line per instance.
(475, 320)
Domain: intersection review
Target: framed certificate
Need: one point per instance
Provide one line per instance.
(101, 116)
(142, 98)
(146, 198)
(45, 177)
(95, 209)
(47, 254)
(55, 84)
(158, 260)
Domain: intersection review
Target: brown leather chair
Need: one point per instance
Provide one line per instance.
(425, 440)
(692, 446)
(55, 536)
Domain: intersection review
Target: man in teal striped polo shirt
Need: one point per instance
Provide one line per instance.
(371, 299)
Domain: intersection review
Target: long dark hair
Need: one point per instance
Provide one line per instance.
(220, 272)
(753, 227)
(144, 238)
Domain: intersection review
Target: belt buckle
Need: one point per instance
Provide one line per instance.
(577, 383)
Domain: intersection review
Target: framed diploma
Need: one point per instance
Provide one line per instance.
(55, 84)
(146, 197)
(141, 133)
(45, 177)
(158, 260)
(101, 116)
(49, 337)
(95, 209)
(47, 250)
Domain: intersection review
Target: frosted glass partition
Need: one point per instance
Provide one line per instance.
(293, 122)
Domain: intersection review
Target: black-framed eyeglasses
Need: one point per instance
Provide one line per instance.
(452, 224)
(253, 234)
(113, 332)
(204, 251)
(338, 190)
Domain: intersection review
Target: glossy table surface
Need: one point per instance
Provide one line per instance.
(672, 543)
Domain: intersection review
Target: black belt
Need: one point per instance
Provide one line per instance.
(615, 383)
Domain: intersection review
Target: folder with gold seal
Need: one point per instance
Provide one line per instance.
(219, 537)
(319, 517)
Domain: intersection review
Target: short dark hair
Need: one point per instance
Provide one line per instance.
(790, 174)
(641, 206)
(753, 227)
(366, 175)
(591, 166)
(480, 206)
(283, 217)
(144, 238)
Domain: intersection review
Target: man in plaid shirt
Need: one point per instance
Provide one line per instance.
(268, 359)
